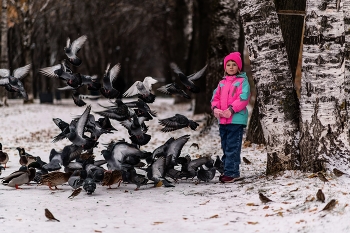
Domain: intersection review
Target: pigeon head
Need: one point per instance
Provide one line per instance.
(89, 186)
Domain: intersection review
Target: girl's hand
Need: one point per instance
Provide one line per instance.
(227, 113)
(218, 112)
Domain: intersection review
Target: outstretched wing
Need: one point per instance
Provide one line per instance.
(78, 43)
(198, 74)
(132, 90)
(148, 82)
(113, 73)
(22, 71)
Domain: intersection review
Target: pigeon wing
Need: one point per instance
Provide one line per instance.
(78, 43)
(132, 90)
(4, 81)
(4, 73)
(50, 71)
(148, 82)
(113, 73)
(198, 74)
(22, 71)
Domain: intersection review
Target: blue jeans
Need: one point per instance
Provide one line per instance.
(231, 143)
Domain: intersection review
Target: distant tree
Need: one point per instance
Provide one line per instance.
(4, 60)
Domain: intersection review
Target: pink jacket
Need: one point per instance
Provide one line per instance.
(234, 91)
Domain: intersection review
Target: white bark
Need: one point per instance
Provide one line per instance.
(4, 60)
(324, 102)
(273, 79)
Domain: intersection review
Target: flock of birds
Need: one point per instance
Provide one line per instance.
(125, 161)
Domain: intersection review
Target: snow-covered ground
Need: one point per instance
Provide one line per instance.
(188, 207)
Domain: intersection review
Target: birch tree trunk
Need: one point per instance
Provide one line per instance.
(4, 59)
(324, 100)
(273, 79)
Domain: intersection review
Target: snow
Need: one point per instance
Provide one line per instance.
(189, 206)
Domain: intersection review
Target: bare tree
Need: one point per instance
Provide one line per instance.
(4, 60)
(272, 76)
(324, 101)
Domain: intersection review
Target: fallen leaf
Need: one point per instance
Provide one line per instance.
(251, 204)
(285, 202)
(156, 223)
(204, 202)
(266, 207)
(312, 175)
(312, 210)
(97, 231)
(185, 218)
(214, 216)
(159, 184)
(280, 214)
(268, 215)
(294, 190)
(253, 223)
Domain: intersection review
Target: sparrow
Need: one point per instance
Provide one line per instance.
(177, 122)
(338, 173)
(4, 157)
(246, 160)
(187, 81)
(73, 48)
(330, 205)
(320, 196)
(263, 198)
(12, 83)
(322, 177)
(50, 216)
(75, 193)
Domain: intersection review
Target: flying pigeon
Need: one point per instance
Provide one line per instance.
(188, 80)
(173, 89)
(73, 48)
(107, 90)
(12, 83)
(143, 89)
(177, 122)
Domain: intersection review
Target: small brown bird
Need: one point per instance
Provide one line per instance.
(75, 193)
(338, 173)
(50, 216)
(4, 157)
(330, 205)
(320, 195)
(263, 198)
(322, 177)
(112, 177)
(53, 179)
(246, 160)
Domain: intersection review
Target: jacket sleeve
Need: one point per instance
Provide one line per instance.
(215, 99)
(241, 103)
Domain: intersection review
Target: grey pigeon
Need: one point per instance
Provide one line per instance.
(173, 89)
(143, 89)
(177, 122)
(89, 185)
(107, 89)
(136, 130)
(73, 48)
(119, 111)
(77, 178)
(174, 150)
(187, 81)
(157, 172)
(13, 83)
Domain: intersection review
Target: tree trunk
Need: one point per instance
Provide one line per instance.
(324, 100)
(255, 133)
(273, 79)
(4, 57)
(224, 38)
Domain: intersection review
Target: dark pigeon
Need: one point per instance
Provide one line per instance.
(73, 48)
(107, 89)
(173, 89)
(177, 122)
(12, 83)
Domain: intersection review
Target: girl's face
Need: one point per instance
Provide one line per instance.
(231, 68)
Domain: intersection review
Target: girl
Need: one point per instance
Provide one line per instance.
(229, 103)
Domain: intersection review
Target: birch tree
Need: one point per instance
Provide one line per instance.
(273, 79)
(324, 100)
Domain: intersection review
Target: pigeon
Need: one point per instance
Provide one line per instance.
(19, 178)
(55, 161)
(50, 216)
(1, 168)
(173, 89)
(177, 122)
(118, 112)
(320, 196)
(263, 198)
(105, 123)
(89, 185)
(219, 165)
(78, 98)
(174, 150)
(157, 172)
(55, 178)
(94, 129)
(143, 89)
(132, 177)
(189, 167)
(95, 172)
(136, 130)
(12, 83)
(73, 48)
(75, 193)
(77, 178)
(107, 90)
(61, 71)
(122, 156)
(187, 81)
(91, 82)
(162, 150)
(141, 107)
(206, 173)
(4, 157)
